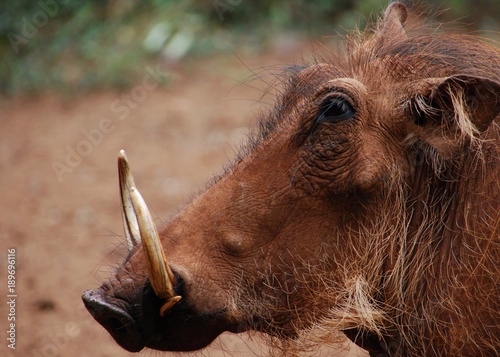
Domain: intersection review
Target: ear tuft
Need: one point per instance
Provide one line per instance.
(478, 97)
(454, 110)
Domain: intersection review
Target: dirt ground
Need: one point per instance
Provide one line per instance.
(59, 201)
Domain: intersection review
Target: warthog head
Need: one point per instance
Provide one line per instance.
(367, 203)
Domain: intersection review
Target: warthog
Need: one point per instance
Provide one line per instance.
(366, 204)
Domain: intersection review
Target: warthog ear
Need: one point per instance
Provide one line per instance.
(394, 19)
(451, 111)
(463, 102)
(478, 97)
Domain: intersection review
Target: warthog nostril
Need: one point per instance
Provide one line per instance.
(118, 322)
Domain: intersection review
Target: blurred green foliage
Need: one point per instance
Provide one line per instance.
(75, 46)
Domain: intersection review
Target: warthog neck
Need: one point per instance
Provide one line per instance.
(441, 264)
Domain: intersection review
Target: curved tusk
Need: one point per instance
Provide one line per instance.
(130, 226)
(160, 275)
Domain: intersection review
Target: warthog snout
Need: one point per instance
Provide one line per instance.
(118, 322)
(133, 319)
(138, 318)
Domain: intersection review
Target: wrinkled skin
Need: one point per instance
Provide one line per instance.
(274, 244)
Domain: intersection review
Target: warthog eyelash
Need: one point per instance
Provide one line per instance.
(334, 109)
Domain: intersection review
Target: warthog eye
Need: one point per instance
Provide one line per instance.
(334, 110)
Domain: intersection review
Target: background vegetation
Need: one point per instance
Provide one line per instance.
(76, 46)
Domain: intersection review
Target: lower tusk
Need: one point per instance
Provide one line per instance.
(169, 304)
(160, 275)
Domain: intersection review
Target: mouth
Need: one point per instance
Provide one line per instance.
(135, 326)
(117, 321)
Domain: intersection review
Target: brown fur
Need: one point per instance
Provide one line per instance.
(383, 226)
